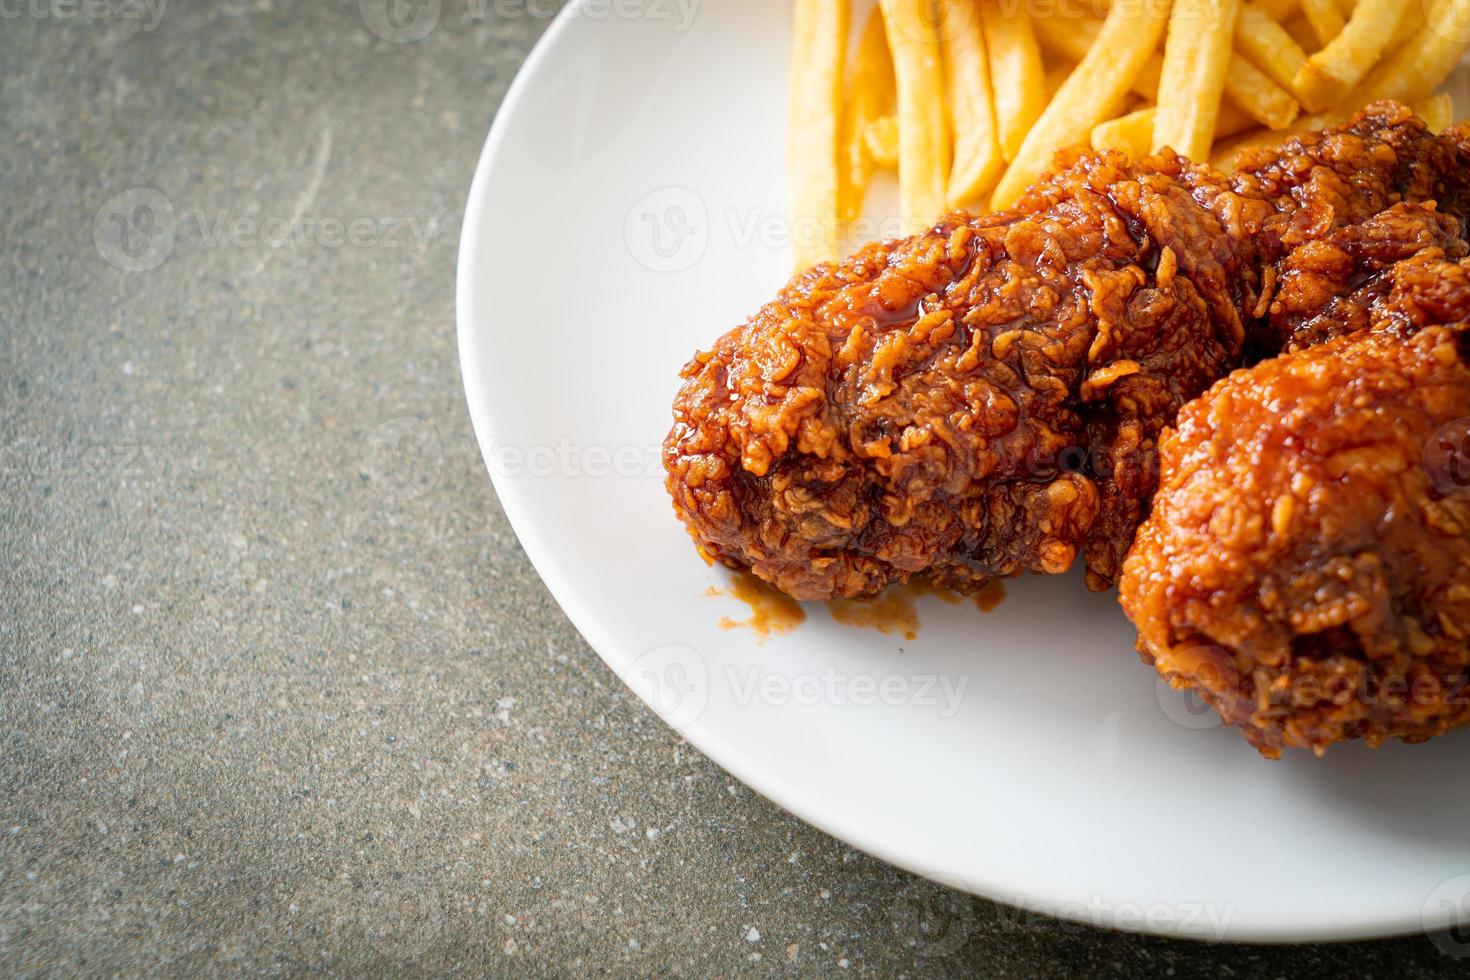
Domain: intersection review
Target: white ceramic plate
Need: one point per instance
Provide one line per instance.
(628, 208)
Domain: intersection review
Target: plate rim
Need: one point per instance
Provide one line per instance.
(469, 298)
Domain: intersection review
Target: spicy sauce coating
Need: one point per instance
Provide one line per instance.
(986, 398)
(1306, 567)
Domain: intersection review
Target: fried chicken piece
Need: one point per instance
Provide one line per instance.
(986, 398)
(1425, 289)
(932, 405)
(1351, 202)
(1306, 566)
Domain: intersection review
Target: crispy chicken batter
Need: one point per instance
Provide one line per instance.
(1306, 567)
(986, 398)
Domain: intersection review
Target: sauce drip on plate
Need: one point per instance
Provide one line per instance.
(992, 594)
(894, 612)
(891, 612)
(771, 611)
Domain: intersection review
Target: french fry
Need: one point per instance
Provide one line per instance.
(1055, 76)
(1245, 84)
(1280, 10)
(1072, 37)
(815, 111)
(869, 95)
(1249, 88)
(1016, 73)
(1277, 10)
(1089, 95)
(1410, 24)
(923, 130)
(1267, 45)
(1414, 71)
(977, 160)
(1196, 57)
(881, 140)
(1301, 32)
(1132, 133)
(1232, 121)
(1326, 18)
(1437, 111)
(1329, 74)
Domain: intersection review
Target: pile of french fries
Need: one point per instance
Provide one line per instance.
(970, 99)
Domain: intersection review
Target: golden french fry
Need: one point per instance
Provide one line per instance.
(881, 139)
(923, 131)
(1131, 134)
(1071, 38)
(1326, 19)
(1330, 73)
(1245, 85)
(1414, 70)
(1016, 72)
(1280, 10)
(818, 49)
(1196, 57)
(1267, 45)
(1055, 76)
(869, 95)
(1089, 95)
(1277, 10)
(1301, 32)
(1411, 22)
(1233, 120)
(977, 160)
(1249, 88)
(1437, 111)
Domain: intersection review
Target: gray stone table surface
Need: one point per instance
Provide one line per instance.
(279, 691)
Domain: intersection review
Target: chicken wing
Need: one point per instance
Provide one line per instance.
(1306, 566)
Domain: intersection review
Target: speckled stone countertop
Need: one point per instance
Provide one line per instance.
(279, 691)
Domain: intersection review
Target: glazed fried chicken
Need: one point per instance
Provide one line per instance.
(946, 404)
(1306, 566)
(986, 398)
